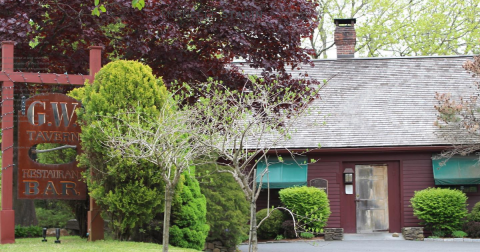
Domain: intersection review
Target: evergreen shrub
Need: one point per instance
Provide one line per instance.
(474, 215)
(440, 209)
(129, 193)
(272, 226)
(227, 209)
(189, 227)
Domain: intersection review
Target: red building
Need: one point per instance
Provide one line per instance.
(375, 120)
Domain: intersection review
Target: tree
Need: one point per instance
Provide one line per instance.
(244, 126)
(166, 141)
(458, 118)
(181, 40)
(402, 28)
(127, 190)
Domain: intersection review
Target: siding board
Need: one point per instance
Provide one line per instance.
(417, 175)
(329, 171)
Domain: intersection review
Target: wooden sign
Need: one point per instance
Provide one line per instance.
(48, 118)
(320, 183)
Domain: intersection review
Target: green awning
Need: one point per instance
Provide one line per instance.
(283, 174)
(458, 170)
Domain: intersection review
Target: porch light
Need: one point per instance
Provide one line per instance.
(348, 180)
(348, 176)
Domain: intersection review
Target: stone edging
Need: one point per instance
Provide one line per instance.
(452, 240)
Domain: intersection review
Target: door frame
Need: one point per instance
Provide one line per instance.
(348, 220)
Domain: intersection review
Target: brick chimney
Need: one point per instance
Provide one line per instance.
(345, 37)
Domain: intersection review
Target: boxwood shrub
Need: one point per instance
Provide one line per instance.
(310, 205)
(272, 226)
(440, 209)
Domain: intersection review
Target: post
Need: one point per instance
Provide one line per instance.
(7, 214)
(94, 220)
(95, 59)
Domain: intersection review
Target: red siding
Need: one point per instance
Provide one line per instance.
(472, 199)
(262, 200)
(417, 175)
(408, 172)
(329, 171)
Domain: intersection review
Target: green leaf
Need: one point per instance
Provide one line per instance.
(97, 2)
(103, 9)
(139, 4)
(96, 12)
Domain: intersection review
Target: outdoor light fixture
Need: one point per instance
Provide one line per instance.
(348, 180)
(44, 234)
(57, 234)
(348, 176)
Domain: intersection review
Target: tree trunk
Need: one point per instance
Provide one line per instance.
(166, 217)
(252, 241)
(81, 207)
(253, 221)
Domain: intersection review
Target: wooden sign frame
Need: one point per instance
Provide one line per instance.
(49, 118)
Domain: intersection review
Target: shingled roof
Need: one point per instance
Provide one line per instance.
(379, 102)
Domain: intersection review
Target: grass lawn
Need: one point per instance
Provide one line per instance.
(75, 243)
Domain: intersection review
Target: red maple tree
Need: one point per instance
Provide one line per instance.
(181, 40)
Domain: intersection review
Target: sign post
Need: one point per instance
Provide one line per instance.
(7, 215)
(58, 185)
(94, 220)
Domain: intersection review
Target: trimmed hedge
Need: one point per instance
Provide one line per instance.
(272, 226)
(440, 209)
(310, 204)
